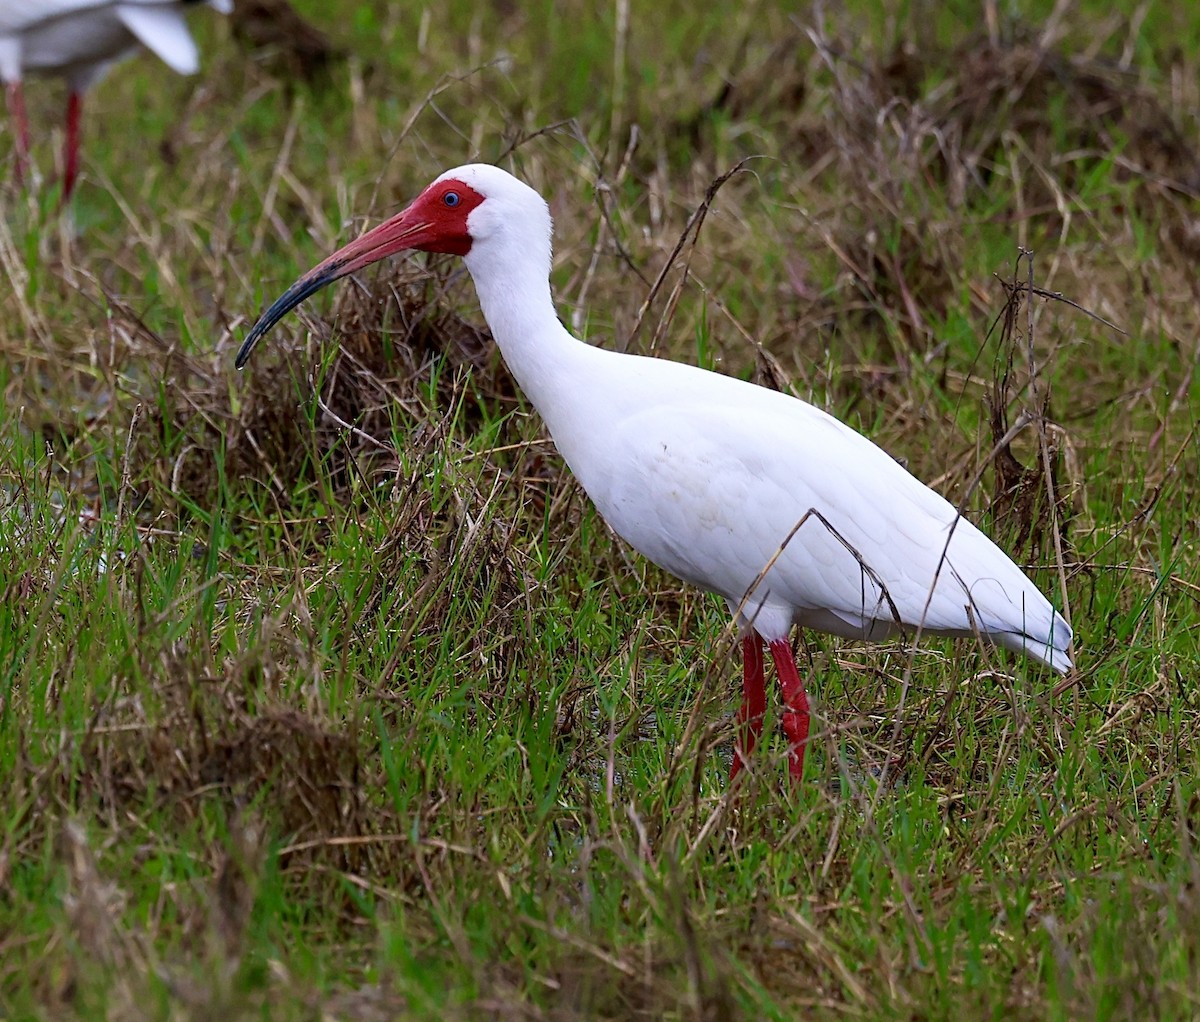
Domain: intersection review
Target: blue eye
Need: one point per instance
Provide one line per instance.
(451, 199)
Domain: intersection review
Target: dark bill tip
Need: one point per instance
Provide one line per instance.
(309, 284)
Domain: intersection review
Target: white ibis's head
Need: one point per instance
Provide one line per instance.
(477, 211)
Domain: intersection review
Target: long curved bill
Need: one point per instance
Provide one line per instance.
(403, 231)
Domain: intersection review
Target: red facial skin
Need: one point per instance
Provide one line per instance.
(435, 222)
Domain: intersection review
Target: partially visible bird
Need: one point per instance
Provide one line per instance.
(790, 515)
(78, 40)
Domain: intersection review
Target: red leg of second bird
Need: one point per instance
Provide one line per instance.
(795, 706)
(71, 151)
(20, 127)
(754, 702)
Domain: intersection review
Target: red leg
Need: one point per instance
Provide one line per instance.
(795, 706)
(754, 702)
(71, 153)
(20, 127)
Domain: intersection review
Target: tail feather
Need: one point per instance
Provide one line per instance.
(1050, 647)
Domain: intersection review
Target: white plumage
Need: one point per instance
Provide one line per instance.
(711, 479)
(78, 40)
(709, 476)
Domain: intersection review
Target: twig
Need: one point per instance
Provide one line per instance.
(692, 229)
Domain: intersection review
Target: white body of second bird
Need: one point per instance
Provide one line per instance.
(711, 476)
(78, 40)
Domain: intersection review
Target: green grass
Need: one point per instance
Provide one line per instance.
(301, 721)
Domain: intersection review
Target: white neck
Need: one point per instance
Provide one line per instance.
(513, 284)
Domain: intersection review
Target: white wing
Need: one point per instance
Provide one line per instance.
(712, 485)
(20, 15)
(162, 29)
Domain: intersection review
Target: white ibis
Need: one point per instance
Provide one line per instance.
(78, 40)
(787, 513)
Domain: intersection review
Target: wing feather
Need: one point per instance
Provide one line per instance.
(714, 486)
(163, 30)
(21, 15)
